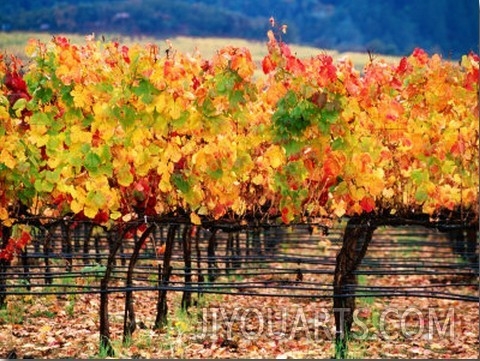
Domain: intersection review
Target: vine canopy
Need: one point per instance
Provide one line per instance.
(112, 133)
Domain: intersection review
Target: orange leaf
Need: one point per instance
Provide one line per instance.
(160, 250)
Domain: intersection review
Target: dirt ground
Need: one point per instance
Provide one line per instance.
(243, 326)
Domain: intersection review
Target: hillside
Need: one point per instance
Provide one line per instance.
(393, 27)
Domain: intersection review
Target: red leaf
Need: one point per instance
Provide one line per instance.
(101, 217)
(61, 41)
(402, 66)
(285, 215)
(126, 58)
(295, 65)
(367, 204)
(268, 64)
(421, 55)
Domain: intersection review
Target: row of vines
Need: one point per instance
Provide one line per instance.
(110, 133)
(122, 137)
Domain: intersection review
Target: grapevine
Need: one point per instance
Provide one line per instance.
(111, 133)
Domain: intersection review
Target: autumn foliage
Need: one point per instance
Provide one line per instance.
(112, 133)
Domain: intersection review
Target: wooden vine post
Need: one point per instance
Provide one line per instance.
(357, 236)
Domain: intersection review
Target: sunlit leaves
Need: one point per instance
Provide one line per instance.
(111, 132)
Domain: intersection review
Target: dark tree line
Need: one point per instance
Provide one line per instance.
(389, 27)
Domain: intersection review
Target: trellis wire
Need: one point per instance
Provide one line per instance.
(276, 253)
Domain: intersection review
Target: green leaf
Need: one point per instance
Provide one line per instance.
(66, 95)
(293, 147)
(53, 145)
(95, 269)
(208, 108)
(125, 114)
(42, 186)
(76, 162)
(54, 175)
(87, 120)
(293, 115)
(92, 162)
(40, 119)
(339, 144)
(19, 106)
(419, 176)
(181, 183)
(96, 198)
(146, 91)
(4, 101)
(105, 155)
(44, 94)
(448, 166)
(327, 117)
(225, 82)
(181, 120)
(216, 174)
(421, 195)
(236, 97)
(85, 148)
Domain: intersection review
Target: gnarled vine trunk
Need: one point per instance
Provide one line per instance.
(357, 236)
(4, 264)
(164, 279)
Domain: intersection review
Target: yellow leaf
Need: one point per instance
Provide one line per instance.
(125, 176)
(81, 96)
(376, 184)
(436, 346)
(127, 217)
(357, 193)
(8, 222)
(77, 135)
(275, 156)
(45, 329)
(4, 113)
(339, 208)
(115, 215)
(90, 211)
(7, 159)
(173, 153)
(165, 185)
(37, 134)
(76, 206)
(139, 136)
(54, 161)
(160, 102)
(175, 110)
(3, 214)
(195, 219)
(164, 168)
(239, 206)
(31, 48)
(324, 244)
(388, 193)
(257, 180)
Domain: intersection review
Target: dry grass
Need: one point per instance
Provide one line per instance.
(14, 43)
